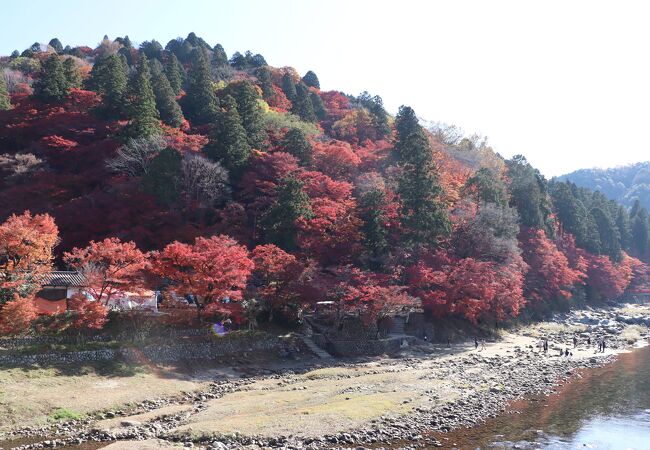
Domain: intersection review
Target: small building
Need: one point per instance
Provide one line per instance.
(56, 288)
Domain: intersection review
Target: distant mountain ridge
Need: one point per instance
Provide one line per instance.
(625, 184)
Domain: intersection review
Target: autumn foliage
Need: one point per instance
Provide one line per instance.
(306, 196)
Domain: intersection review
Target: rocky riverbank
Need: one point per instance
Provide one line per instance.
(403, 402)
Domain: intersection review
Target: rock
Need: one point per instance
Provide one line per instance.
(130, 423)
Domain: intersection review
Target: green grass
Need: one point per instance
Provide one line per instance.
(64, 414)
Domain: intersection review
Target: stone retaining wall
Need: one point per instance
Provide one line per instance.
(367, 347)
(208, 349)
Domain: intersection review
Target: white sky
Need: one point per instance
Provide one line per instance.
(563, 82)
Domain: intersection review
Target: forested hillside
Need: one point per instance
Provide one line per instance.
(625, 184)
(252, 189)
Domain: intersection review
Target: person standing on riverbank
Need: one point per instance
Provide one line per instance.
(603, 345)
(475, 343)
(575, 341)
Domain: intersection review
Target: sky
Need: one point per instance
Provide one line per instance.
(565, 83)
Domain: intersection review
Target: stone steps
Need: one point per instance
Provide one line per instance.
(315, 349)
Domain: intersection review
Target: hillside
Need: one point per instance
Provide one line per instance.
(251, 189)
(625, 184)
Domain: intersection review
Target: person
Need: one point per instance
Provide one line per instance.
(588, 341)
(566, 352)
(545, 345)
(603, 345)
(561, 352)
(475, 343)
(482, 344)
(448, 342)
(600, 345)
(426, 338)
(575, 341)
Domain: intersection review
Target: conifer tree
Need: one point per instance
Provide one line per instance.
(5, 101)
(295, 142)
(219, 56)
(302, 104)
(279, 222)
(228, 144)
(144, 115)
(56, 45)
(318, 105)
(288, 86)
(163, 180)
(108, 78)
(371, 206)
(528, 193)
(311, 80)
(71, 71)
(423, 216)
(170, 111)
(200, 103)
(609, 237)
(624, 228)
(174, 72)
(640, 231)
(264, 76)
(51, 85)
(250, 112)
(487, 187)
(375, 106)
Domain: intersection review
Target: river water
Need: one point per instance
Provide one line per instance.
(608, 408)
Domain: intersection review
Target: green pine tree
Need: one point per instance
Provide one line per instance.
(295, 142)
(51, 85)
(108, 78)
(423, 215)
(175, 73)
(640, 232)
(609, 237)
(311, 80)
(219, 56)
(279, 222)
(302, 104)
(375, 106)
(264, 77)
(163, 179)
(56, 45)
(487, 187)
(5, 101)
(250, 111)
(318, 106)
(529, 194)
(288, 86)
(200, 103)
(145, 119)
(170, 111)
(71, 71)
(375, 234)
(228, 143)
(624, 228)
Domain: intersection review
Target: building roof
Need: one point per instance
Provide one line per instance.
(61, 278)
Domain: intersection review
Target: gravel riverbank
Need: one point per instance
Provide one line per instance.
(399, 402)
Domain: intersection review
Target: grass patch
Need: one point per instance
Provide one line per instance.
(64, 414)
(321, 374)
(556, 328)
(633, 333)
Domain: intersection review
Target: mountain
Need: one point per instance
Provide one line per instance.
(625, 184)
(229, 178)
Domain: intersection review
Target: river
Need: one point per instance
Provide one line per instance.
(605, 408)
